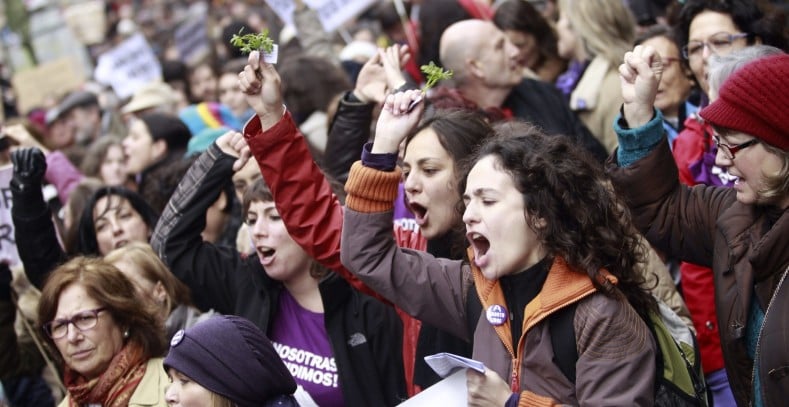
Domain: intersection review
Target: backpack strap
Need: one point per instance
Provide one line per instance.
(565, 347)
(473, 311)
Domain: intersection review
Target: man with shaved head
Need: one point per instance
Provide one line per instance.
(489, 76)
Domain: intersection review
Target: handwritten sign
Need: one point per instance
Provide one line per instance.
(332, 13)
(8, 253)
(128, 66)
(46, 81)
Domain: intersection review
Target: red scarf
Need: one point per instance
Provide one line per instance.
(115, 386)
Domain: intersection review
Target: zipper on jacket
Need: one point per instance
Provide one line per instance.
(759, 338)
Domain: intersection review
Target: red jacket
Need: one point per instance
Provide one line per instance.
(313, 215)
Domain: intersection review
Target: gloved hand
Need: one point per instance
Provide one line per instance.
(29, 168)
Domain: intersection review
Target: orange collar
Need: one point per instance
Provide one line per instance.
(563, 286)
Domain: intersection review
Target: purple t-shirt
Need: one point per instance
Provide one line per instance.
(301, 340)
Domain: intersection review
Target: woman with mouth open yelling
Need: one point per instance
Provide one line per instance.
(545, 235)
(314, 215)
(341, 346)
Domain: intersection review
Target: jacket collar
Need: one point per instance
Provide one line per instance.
(562, 287)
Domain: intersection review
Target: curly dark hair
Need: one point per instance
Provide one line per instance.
(586, 223)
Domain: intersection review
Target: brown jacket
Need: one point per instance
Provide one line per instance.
(745, 245)
(616, 364)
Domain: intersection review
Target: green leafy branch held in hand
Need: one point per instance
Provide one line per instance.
(252, 42)
(433, 74)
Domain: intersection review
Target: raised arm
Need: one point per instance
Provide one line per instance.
(430, 289)
(308, 207)
(644, 172)
(350, 128)
(208, 270)
(36, 238)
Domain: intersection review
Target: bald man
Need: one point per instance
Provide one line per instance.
(488, 73)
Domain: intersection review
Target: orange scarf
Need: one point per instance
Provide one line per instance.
(115, 386)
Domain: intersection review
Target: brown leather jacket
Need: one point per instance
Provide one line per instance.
(747, 248)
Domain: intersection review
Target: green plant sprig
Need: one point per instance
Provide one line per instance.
(433, 74)
(252, 42)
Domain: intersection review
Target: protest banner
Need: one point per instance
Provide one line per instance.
(128, 66)
(332, 13)
(49, 80)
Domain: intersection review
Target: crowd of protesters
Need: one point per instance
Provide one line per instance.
(597, 182)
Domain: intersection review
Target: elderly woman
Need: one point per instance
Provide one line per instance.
(155, 283)
(108, 339)
(740, 232)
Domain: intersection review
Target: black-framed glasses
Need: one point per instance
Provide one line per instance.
(731, 150)
(717, 43)
(83, 321)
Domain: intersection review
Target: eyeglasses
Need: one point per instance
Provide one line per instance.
(731, 150)
(83, 321)
(717, 43)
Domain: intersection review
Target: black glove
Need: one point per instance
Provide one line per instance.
(29, 168)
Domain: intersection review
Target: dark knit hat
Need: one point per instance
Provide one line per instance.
(168, 128)
(755, 100)
(230, 356)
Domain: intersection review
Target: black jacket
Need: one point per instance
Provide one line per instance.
(36, 238)
(370, 372)
(348, 132)
(541, 104)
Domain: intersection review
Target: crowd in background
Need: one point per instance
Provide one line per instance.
(239, 233)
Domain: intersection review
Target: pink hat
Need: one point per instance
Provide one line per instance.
(755, 101)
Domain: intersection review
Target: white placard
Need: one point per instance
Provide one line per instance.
(445, 363)
(449, 392)
(332, 13)
(128, 66)
(8, 253)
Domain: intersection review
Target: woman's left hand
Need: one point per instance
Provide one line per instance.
(233, 144)
(487, 389)
(397, 121)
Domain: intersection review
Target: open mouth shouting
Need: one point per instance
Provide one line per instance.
(480, 245)
(266, 255)
(420, 213)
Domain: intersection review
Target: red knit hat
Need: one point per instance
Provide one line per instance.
(755, 100)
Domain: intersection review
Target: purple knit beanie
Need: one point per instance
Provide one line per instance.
(755, 101)
(230, 356)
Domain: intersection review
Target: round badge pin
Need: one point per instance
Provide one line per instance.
(177, 338)
(496, 314)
